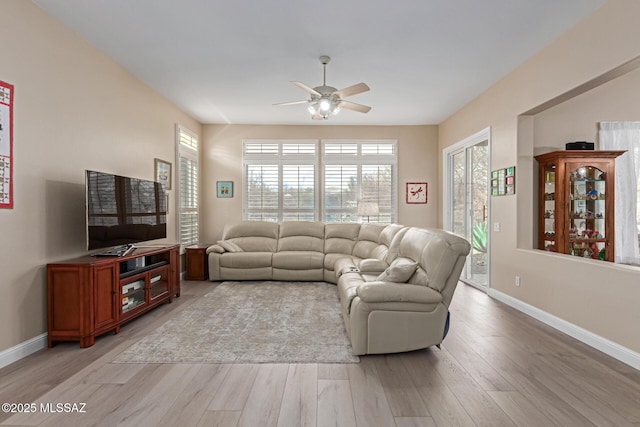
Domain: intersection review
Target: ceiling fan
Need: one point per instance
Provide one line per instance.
(326, 100)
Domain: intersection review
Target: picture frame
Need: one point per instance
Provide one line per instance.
(503, 181)
(224, 189)
(416, 193)
(6, 145)
(162, 173)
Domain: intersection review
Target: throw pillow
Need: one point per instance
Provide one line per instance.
(229, 246)
(215, 248)
(400, 270)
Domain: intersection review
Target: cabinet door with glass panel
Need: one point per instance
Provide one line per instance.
(576, 203)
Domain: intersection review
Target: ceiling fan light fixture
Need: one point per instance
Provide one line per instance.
(327, 101)
(324, 104)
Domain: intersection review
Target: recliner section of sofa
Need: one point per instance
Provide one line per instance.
(300, 253)
(258, 241)
(384, 317)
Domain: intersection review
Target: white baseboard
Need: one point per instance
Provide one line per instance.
(23, 349)
(614, 350)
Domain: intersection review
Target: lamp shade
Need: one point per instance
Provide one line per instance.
(368, 209)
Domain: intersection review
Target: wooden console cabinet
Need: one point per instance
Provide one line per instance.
(90, 296)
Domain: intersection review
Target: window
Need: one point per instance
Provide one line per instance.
(188, 215)
(625, 136)
(282, 182)
(355, 172)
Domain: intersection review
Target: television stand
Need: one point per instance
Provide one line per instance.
(90, 296)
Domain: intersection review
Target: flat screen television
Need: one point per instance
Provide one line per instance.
(122, 210)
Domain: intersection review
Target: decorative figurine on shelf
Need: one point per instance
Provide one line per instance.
(593, 194)
(601, 255)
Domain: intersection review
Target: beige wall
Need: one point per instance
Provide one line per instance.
(577, 119)
(599, 297)
(222, 161)
(74, 109)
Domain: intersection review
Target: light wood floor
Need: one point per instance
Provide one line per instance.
(497, 367)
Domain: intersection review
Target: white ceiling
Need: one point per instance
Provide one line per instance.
(230, 61)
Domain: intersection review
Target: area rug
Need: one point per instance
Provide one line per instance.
(252, 322)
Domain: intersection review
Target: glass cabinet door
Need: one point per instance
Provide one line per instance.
(550, 208)
(586, 226)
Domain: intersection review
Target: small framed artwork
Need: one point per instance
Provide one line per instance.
(163, 173)
(416, 193)
(503, 181)
(224, 188)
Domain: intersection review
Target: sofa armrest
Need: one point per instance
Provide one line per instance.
(372, 292)
(372, 265)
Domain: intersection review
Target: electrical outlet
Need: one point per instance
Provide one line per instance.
(517, 283)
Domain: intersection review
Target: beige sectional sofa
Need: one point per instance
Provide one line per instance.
(395, 282)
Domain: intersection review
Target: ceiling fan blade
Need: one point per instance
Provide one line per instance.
(307, 88)
(352, 90)
(355, 107)
(292, 102)
(317, 116)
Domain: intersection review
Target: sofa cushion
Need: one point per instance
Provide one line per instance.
(436, 252)
(372, 292)
(340, 238)
(253, 236)
(337, 262)
(229, 246)
(301, 236)
(400, 270)
(394, 245)
(298, 260)
(368, 239)
(245, 259)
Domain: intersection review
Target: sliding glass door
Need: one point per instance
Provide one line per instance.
(466, 203)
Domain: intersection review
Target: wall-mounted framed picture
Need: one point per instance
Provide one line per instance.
(503, 181)
(224, 188)
(162, 172)
(416, 193)
(6, 145)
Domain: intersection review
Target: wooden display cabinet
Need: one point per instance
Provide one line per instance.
(89, 296)
(576, 203)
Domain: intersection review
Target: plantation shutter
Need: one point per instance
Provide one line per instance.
(188, 214)
(355, 172)
(280, 180)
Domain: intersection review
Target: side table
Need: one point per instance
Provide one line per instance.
(197, 265)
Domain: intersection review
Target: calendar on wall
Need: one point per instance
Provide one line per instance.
(6, 145)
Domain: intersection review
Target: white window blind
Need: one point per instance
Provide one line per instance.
(355, 172)
(280, 180)
(188, 213)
